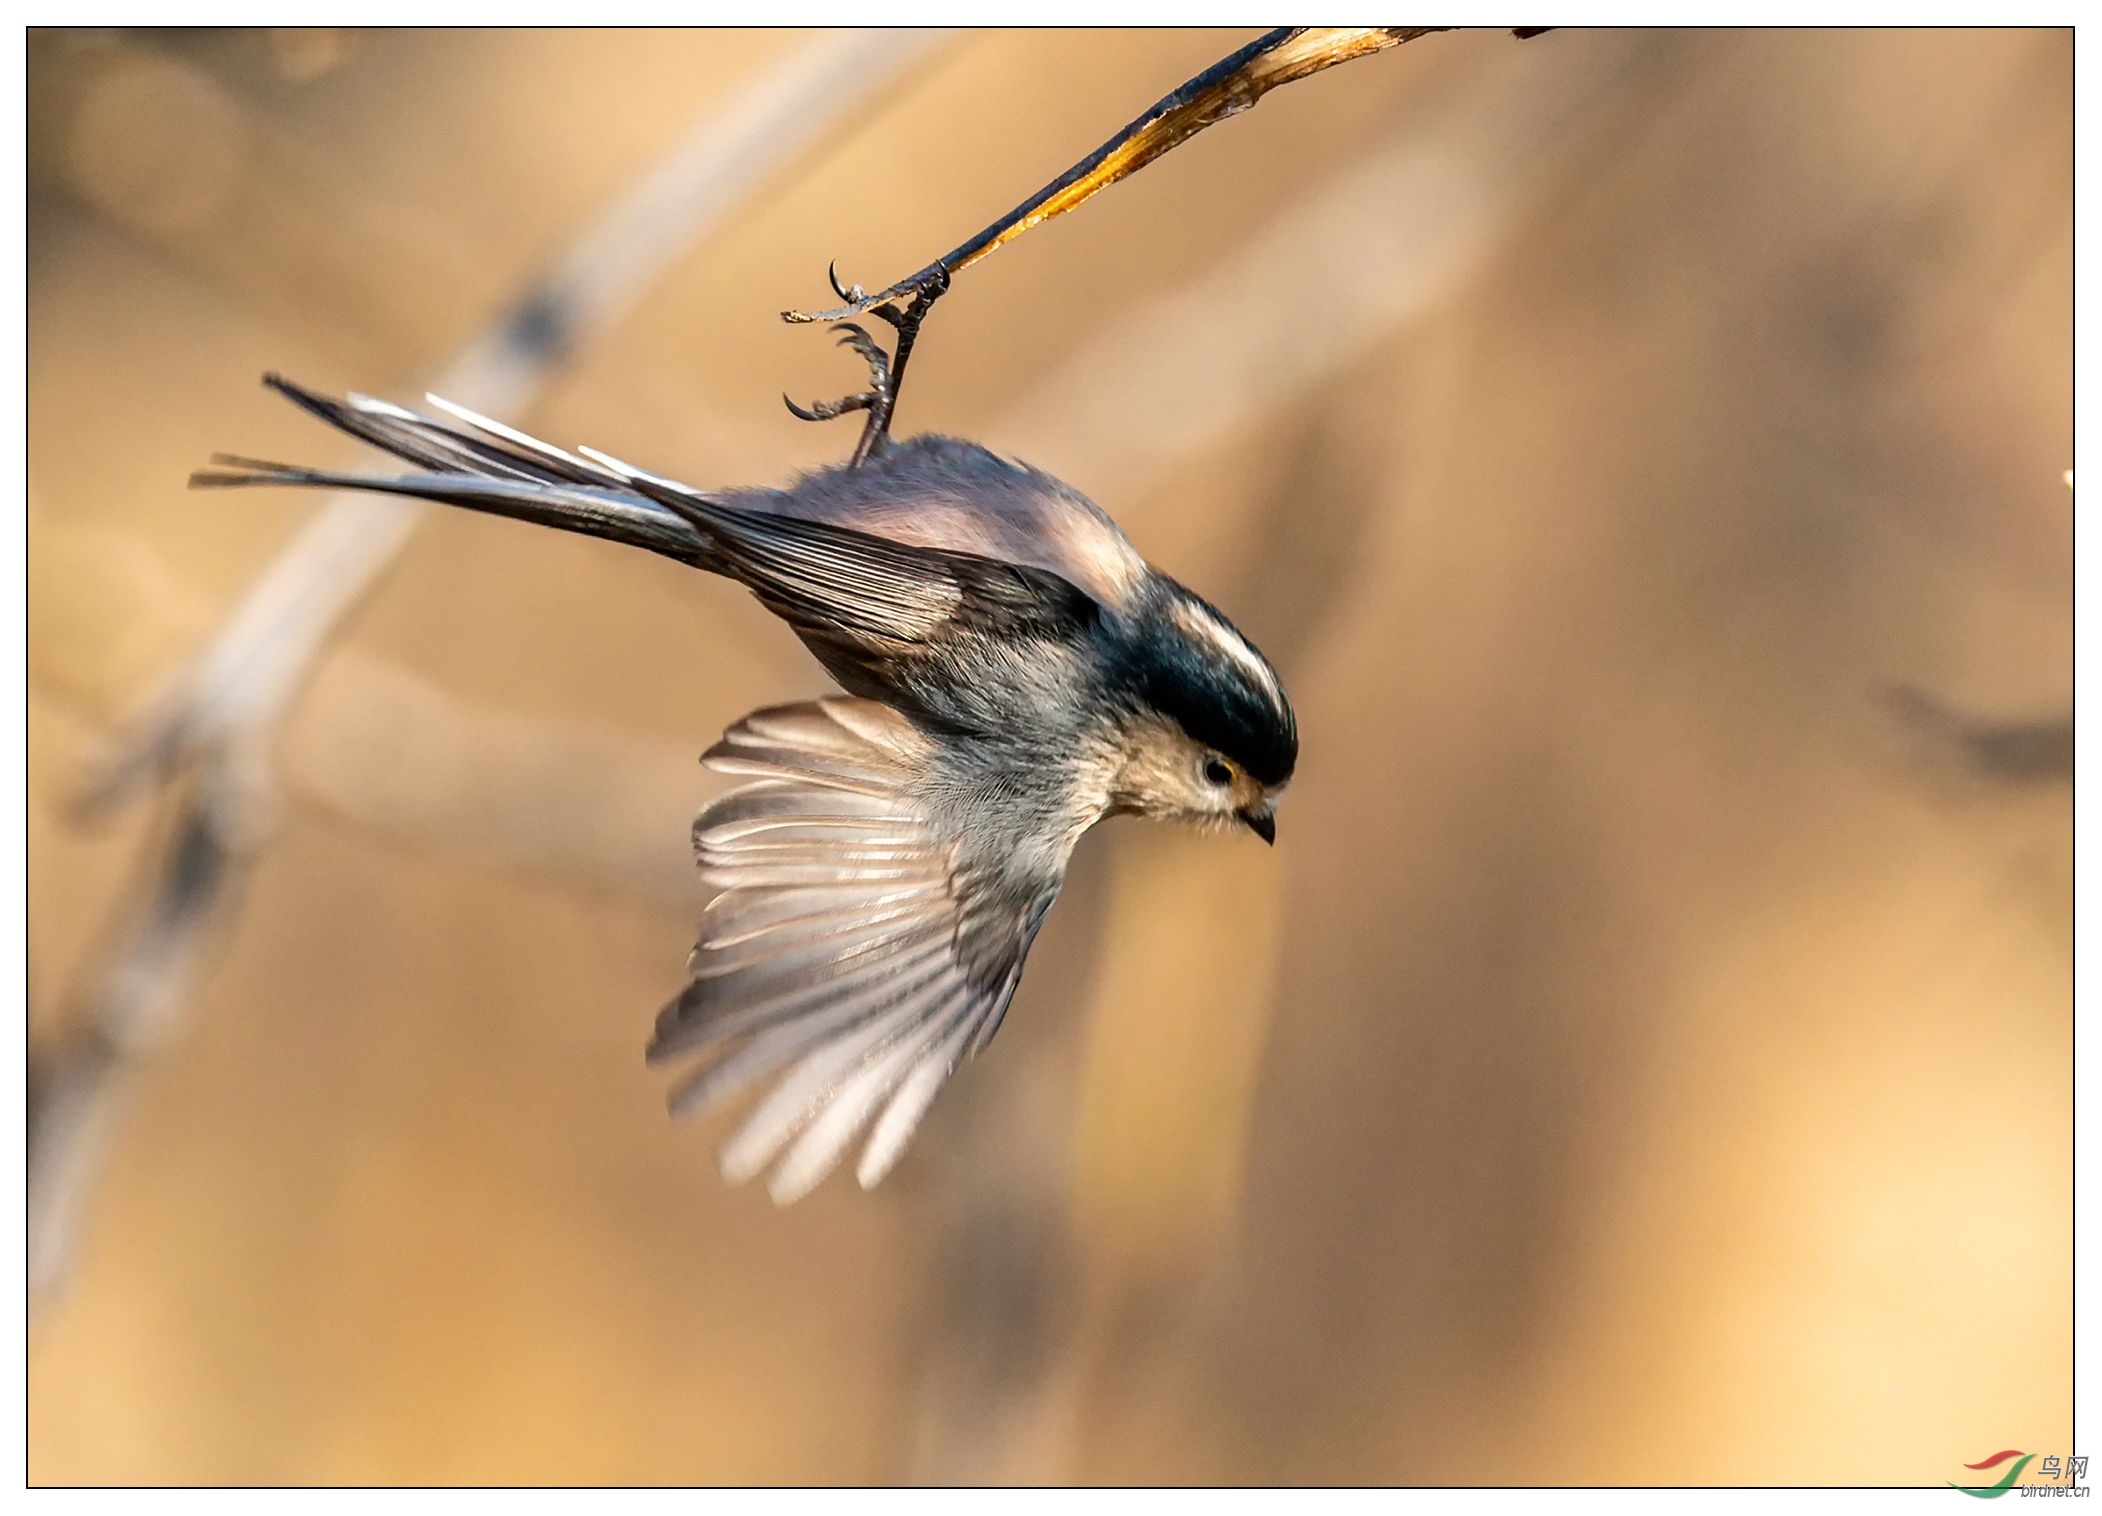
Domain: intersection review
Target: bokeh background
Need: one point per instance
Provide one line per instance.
(1646, 1055)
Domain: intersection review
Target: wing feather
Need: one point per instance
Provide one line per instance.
(826, 1139)
(914, 1093)
(848, 951)
(844, 1018)
(756, 1000)
(811, 1085)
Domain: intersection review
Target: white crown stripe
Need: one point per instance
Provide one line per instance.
(1202, 623)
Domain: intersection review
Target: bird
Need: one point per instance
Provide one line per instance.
(1012, 671)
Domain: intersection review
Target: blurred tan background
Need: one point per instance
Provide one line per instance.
(1646, 1055)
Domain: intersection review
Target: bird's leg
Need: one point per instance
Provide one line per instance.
(906, 324)
(880, 399)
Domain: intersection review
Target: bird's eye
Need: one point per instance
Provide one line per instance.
(1216, 772)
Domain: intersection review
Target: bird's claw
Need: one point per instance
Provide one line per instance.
(855, 336)
(852, 294)
(875, 399)
(829, 410)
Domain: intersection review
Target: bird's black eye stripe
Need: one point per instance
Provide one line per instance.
(1217, 772)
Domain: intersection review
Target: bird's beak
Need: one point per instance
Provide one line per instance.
(1263, 823)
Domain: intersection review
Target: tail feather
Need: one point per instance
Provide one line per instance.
(482, 449)
(484, 466)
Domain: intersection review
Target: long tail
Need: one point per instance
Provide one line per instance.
(482, 465)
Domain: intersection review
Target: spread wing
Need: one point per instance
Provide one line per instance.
(853, 945)
(857, 942)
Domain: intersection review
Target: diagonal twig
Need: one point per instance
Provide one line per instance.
(1230, 86)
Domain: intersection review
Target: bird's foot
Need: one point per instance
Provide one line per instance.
(875, 399)
(886, 370)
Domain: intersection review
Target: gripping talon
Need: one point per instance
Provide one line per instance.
(875, 399)
(856, 337)
(851, 294)
(829, 410)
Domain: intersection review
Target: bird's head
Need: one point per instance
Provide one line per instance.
(1209, 735)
